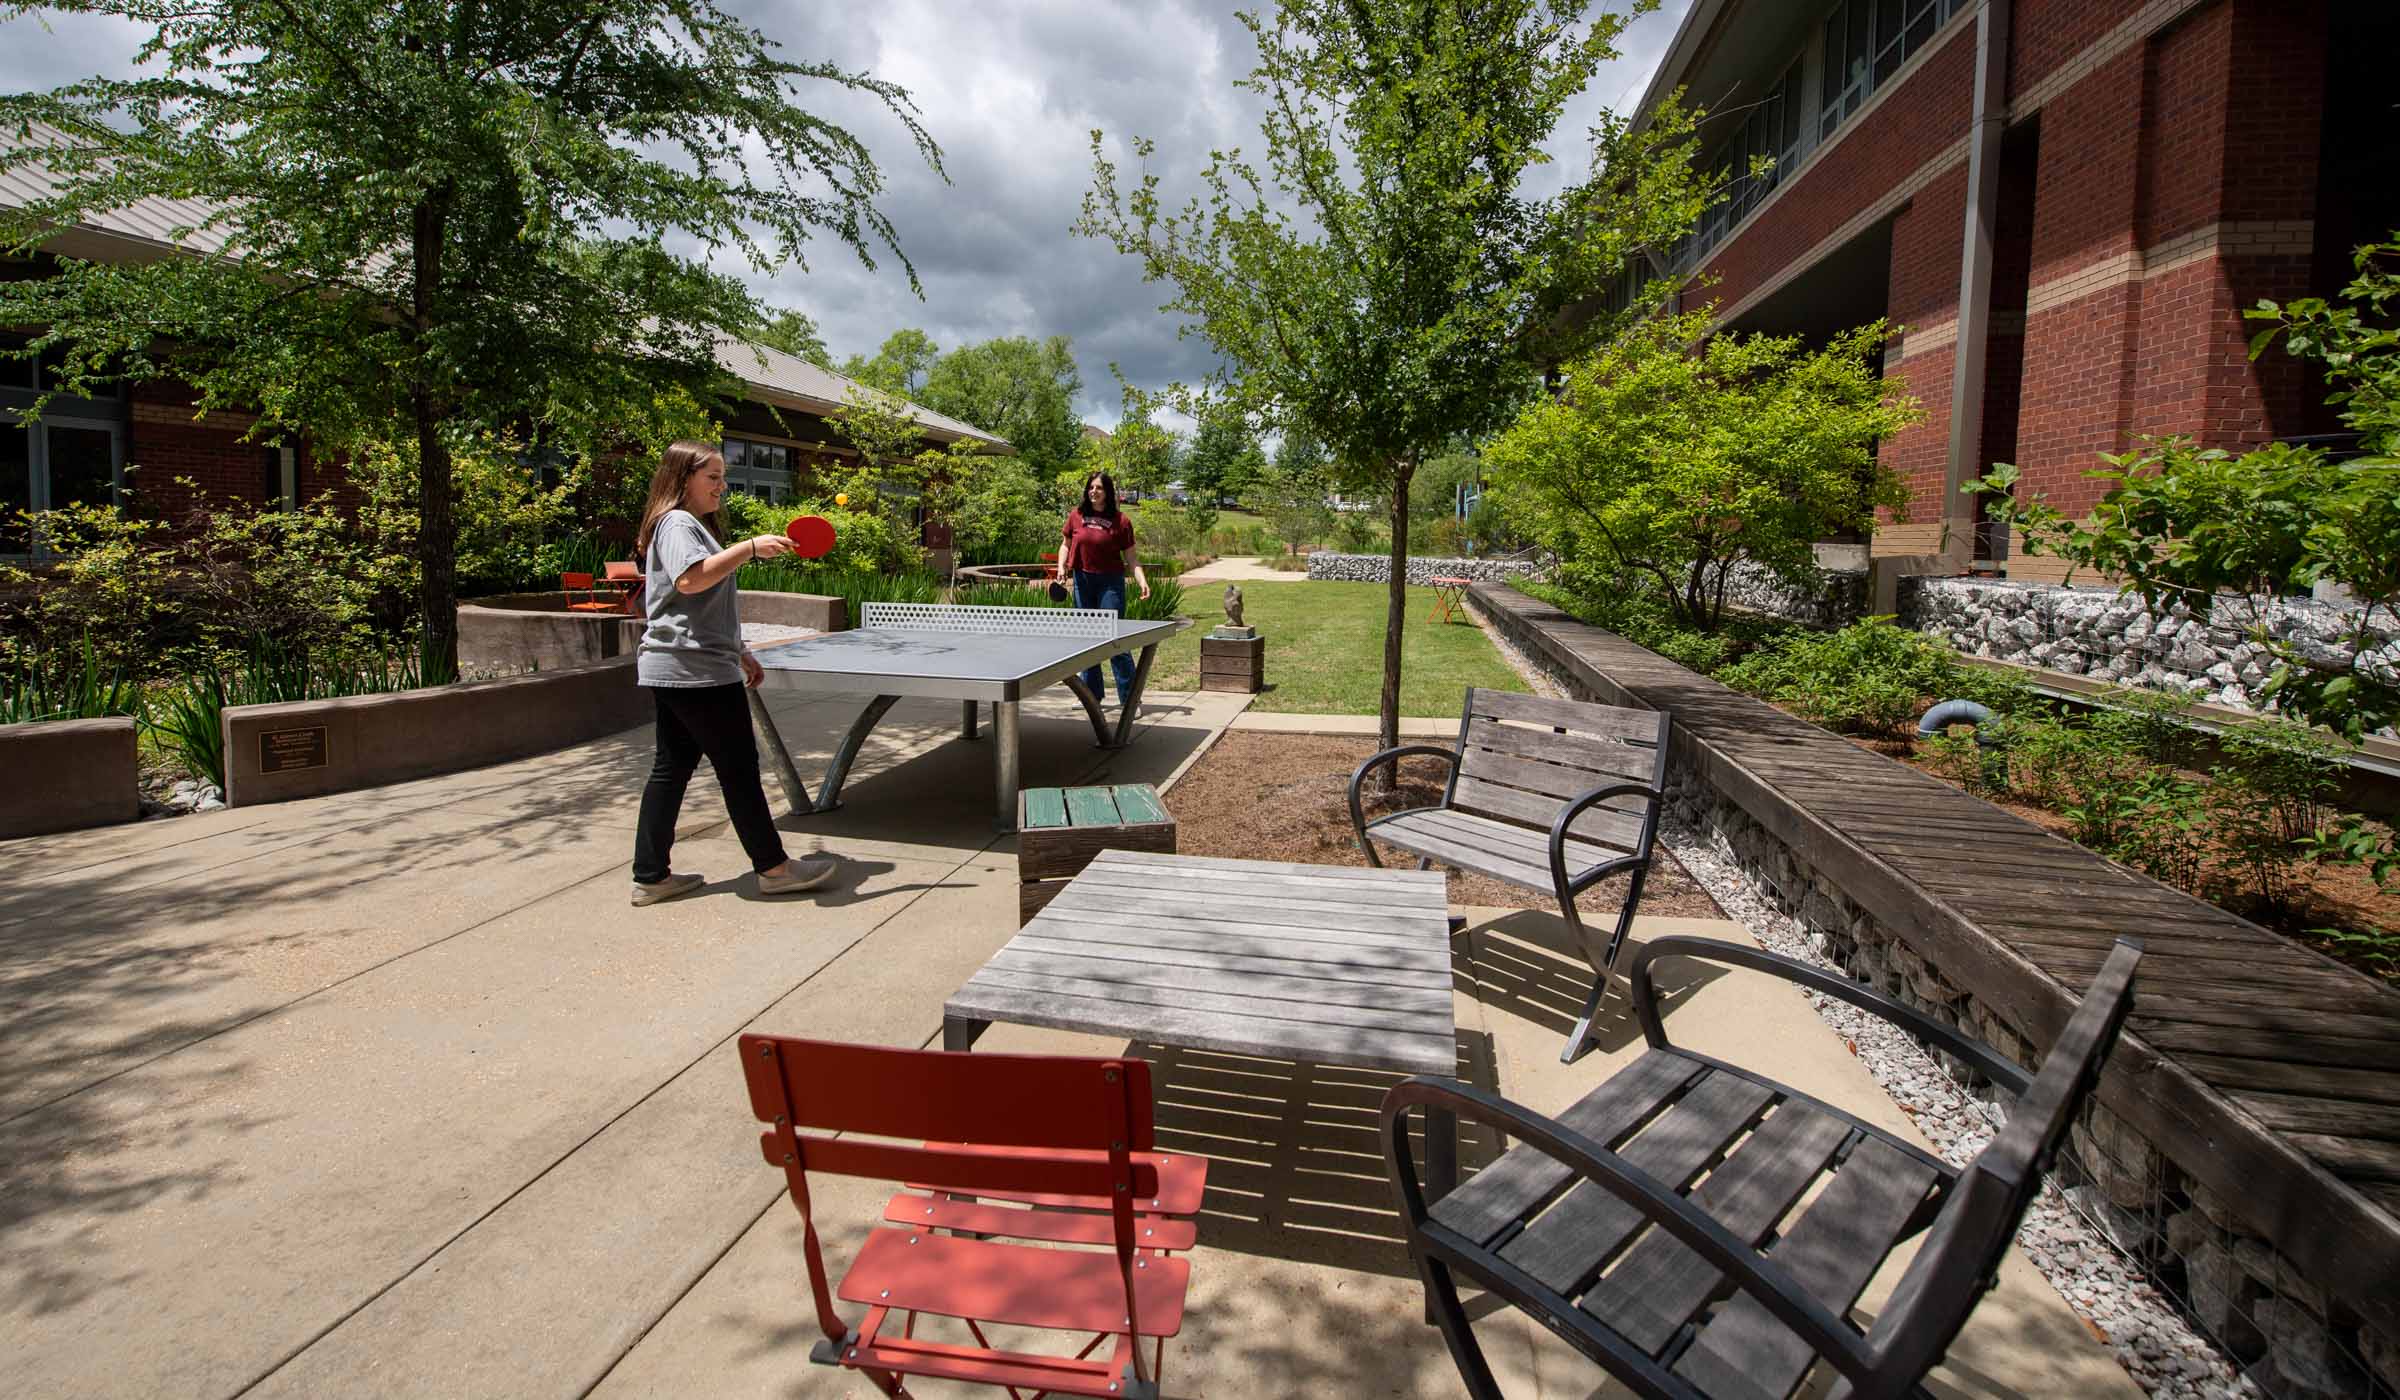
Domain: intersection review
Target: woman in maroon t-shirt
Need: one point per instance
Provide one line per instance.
(1097, 545)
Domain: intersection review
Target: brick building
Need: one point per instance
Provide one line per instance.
(2065, 203)
(136, 449)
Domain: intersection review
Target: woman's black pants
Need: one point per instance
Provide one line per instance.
(694, 720)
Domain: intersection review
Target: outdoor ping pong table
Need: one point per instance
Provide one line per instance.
(976, 656)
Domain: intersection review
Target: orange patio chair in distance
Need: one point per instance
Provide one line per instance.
(1070, 1138)
(574, 584)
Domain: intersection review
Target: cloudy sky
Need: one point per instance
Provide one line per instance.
(1010, 90)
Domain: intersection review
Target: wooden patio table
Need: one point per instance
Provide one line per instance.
(1328, 964)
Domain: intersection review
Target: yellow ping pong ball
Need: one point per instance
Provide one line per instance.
(841, 498)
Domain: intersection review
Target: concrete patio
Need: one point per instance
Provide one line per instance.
(390, 1093)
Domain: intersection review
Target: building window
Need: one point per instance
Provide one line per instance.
(53, 464)
(279, 485)
(1866, 42)
(761, 469)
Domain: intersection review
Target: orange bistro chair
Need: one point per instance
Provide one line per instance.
(1020, 1147)
(573, 584)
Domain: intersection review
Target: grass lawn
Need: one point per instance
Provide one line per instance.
(1325, 649)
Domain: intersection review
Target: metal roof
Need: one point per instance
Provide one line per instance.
(157, 225)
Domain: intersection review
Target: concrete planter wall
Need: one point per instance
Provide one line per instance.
(67, 774)
(533, 631)
(277, 752)
(1377, 568)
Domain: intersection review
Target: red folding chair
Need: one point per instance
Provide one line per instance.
(1065, 1144)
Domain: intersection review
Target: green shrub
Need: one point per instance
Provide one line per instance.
(188, 720)
(2270, 800)
(1871, 677)
(35, 685)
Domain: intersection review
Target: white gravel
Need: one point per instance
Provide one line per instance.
(2151, 1339)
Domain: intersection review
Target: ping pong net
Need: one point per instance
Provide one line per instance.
(1089, 624)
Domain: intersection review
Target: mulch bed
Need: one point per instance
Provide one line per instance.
(1262, 796)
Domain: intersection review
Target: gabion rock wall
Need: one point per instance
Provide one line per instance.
(1839, 599)
(2095, 632)
(1377, 568)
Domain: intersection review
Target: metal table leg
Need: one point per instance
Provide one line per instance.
(779, 758)
(1091, 709)
(960, 1032)
(1133, 698)
(829, 796)
(967, 728)
(1004, 762)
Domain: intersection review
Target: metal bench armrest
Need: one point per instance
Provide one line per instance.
(1358, 816)
(1755, 1274)
(2004, 1072)
(1640, 859)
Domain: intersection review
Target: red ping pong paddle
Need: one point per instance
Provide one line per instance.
(811, 536)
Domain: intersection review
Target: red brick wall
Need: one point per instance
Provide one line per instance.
(1926, 239)
(1875, 154)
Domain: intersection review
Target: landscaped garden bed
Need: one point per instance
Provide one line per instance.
(2253, 829)
(1325, 649)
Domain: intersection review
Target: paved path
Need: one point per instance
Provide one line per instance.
(1250, 570)
(390, 1093)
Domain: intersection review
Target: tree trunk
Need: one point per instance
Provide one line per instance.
(437, 547)
(1395, 616)
(437, 526)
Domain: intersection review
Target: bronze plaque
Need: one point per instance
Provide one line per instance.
(283, 750)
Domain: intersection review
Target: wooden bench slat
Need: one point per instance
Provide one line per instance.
(1615, 828)
(1179, 866)
(1550, 780)
(1248, 956)
(1251, 939)
(1044, 807)
(1092, 806)
(1566, 1245)
(1214, 981)
(1314, 913)
(1138, 802)
(1504, 851)
(1660, 1283)
(1831, 1251)
(1501, 1194)
(1637, 762)
(1311, 1011)
(1576, 717)
(1240, 886)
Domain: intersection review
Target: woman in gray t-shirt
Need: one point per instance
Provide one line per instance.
(694, 665)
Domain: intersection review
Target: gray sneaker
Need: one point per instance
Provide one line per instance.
(797, 875)
(669, 888)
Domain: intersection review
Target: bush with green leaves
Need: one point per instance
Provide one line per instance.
(2271, 796)
(188, 716)
(1681, 466)
(38, 685)
(1871, 677)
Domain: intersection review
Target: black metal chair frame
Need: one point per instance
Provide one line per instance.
(1972, 1212)
(1565, 885)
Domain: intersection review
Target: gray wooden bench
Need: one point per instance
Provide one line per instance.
(1593, 1223)
(1553, 795)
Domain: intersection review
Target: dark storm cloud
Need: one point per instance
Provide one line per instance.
(1011, 93)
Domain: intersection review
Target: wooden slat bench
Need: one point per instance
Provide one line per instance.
(1594, 1226)
(1553, 795)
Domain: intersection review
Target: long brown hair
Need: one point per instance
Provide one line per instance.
(675, 471)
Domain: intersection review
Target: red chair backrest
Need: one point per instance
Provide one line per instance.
(573, 581)
(623, 570)
(1074, 1105)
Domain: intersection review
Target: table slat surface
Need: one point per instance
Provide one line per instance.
(1350, 967)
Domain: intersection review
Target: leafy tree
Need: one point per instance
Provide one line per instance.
(1225, 459)
(1292, 494)
(1021, 389)
(900, 364)
(795, 333)
(1417, 292)
(1140, 455)
(450, 218)
(1674, 467)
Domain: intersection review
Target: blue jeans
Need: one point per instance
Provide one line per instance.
(1105, 591)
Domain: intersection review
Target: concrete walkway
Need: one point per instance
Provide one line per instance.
(1249, 570)
(391, 1094)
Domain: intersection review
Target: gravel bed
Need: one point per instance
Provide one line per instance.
(2150, 1337)
(760, 633)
